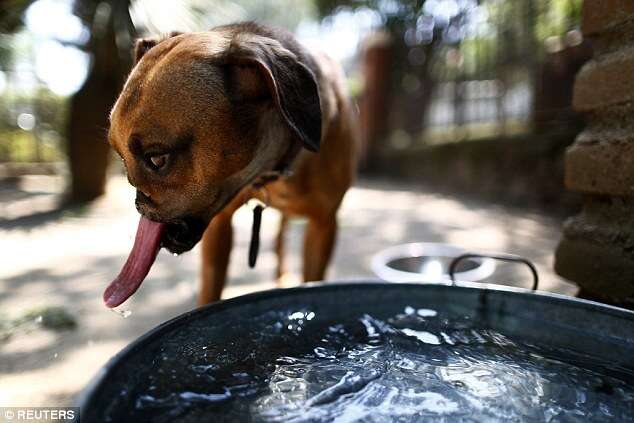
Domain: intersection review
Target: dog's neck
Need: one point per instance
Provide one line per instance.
(283, 168)
(263, 178)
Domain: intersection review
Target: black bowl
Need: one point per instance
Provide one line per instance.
(224, 362)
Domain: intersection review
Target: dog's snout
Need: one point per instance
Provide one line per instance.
(142, 199)
(137, 179)
(131, 179)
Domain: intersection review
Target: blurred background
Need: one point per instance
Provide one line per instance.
(424, 74)
(464, 107)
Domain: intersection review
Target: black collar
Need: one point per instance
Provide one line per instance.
(283, 167)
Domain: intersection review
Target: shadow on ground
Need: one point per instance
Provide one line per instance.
(66, 258)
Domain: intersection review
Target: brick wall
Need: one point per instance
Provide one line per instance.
(597, 249)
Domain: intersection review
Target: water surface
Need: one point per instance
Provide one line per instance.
(415, 365)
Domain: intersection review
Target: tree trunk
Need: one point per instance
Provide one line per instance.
(411, 105)
(374, 104)
(88, 149)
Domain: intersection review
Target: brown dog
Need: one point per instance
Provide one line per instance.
(206, 117)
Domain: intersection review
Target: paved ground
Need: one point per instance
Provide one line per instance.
(66, 258)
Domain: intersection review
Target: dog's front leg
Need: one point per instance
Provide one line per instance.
(280, 249)
(216, 249)
(319, 242)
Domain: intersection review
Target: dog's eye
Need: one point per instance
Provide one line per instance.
(158, 161)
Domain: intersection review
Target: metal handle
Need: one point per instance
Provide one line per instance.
(503, 257)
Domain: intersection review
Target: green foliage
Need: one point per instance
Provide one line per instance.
(198, 15)
(50, 317)
(46, 317)
(6, 52)
(284, 13)
(513, 32)
(517, 34)
(11, 21)
(557, 17)
(396, 8)
(12, 15)
(51, 112)
(20, 146)
(51, 109)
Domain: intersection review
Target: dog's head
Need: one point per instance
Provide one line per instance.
(201, 115)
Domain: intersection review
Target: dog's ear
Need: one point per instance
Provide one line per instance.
(143, 45)
(264, 67)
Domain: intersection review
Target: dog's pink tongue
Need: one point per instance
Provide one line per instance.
(146, 246)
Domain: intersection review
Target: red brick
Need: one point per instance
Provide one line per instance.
(597, 268)
(599, 15)
(597, 249)
(606, 82)
(601, 168)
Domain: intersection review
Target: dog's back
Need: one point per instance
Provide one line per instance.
(318, 181)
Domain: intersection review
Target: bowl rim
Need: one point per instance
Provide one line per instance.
(380, 260)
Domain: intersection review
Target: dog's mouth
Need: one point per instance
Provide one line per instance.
(181, 235)
(177, 236)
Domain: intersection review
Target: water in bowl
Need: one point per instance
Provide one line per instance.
(416, 365)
